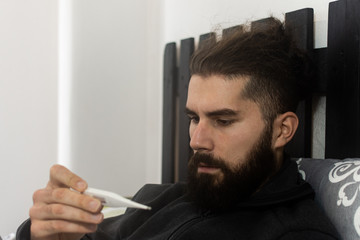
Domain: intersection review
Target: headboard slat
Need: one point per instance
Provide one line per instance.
(169, 113)
(229, 30)
(186, 50)
(211, 37)
(343, 93)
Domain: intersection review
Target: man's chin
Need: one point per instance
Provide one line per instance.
(213, 179)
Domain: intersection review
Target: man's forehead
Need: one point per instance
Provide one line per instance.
(218, 83)
(216, 93)
(216, 87)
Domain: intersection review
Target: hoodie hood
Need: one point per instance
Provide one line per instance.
(284, 187)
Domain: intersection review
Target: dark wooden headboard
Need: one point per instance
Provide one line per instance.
(338, 78)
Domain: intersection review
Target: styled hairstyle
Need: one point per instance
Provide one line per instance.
(278, 71)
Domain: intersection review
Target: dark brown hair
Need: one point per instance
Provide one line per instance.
(278, 71)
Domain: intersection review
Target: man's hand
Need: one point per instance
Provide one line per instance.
(61, 213)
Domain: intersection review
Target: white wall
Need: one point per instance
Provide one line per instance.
(108, 92)
(28, 104)
(105, 89)
(101, 82)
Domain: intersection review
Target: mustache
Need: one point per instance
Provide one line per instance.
(208, 160)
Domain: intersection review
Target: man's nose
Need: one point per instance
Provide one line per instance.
(201, 137)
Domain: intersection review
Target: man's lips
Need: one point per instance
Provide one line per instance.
(204, 168)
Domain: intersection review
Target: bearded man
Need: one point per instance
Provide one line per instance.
(242, 99)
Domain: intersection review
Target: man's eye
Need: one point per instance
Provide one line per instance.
(194, 119)
(223, 122)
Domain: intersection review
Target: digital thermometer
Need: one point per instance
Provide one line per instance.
(110, 199)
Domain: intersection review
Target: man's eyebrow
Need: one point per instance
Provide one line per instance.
(215, 113)
(189, 112)
(222, 112)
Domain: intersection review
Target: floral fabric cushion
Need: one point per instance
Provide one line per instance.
(337, 185)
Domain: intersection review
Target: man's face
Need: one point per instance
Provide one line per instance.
(231, 143)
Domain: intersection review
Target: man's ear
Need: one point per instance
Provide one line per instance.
(285, 126)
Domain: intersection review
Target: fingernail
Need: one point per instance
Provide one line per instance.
(96, 217)
(94, 205)
(80, 185)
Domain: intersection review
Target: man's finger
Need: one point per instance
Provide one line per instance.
(60, 176)
(43, 229)
(64, 212)
(67, 197)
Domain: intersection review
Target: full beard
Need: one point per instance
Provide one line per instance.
(231, 185)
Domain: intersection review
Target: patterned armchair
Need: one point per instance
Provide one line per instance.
(337, 186)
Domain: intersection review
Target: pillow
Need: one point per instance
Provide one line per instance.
(337, 185)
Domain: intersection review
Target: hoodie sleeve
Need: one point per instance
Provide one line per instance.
(23, 232)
